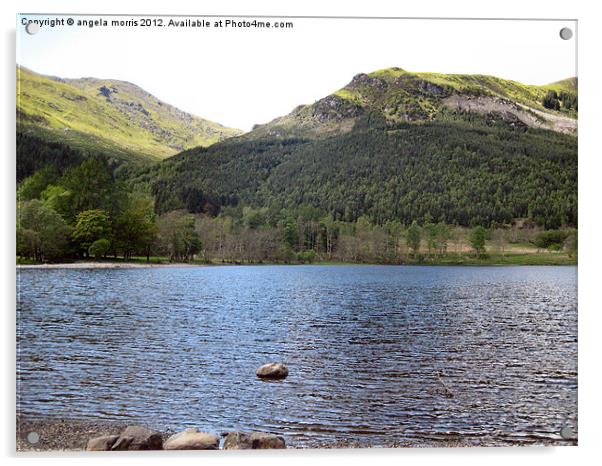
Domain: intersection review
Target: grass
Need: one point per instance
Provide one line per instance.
(529, 95)
(131, 121)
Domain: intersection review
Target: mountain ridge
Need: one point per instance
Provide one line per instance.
(401, 95)
(115, 116)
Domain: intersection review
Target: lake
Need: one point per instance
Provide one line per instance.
(378, 355)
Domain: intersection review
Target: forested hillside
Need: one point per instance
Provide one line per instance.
(467, 172)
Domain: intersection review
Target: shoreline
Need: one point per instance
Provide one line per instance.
(72, 435)
(107, 265)
(150, 265)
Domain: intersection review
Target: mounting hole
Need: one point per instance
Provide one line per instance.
(32, 28)
(33, 437)
(566, 33)
(567, 433)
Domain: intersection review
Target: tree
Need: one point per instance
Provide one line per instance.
(90, 226)
(551, 239)
(42, 234)
(551, 101)
(177, 236)
(430, 230)
(570, 245)
(99, 248)
(33, 186)
(413, 238)
(478, 235)
(135, 228)
(59, 199)
(443, 234)
(90, 185)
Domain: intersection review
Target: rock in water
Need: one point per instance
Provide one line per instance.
(253, 441)
(274, 370)
(140, 438)
(192, 439)
(103, 443)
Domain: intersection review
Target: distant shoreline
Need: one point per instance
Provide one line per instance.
(155, 265)
(106, 265)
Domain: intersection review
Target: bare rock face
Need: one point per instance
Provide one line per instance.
(274, 370)
(104, 443)
(192, 439)
(253, 441)
(335, 108)
(138, 438)
(361, 80)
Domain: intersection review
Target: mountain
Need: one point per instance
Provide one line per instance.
(108, 116)
(395, 145)
(399, 96)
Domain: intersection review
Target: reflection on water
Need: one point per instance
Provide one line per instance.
(377, 355)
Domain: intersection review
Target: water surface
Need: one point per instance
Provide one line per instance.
(378, 355)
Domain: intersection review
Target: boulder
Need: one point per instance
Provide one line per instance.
(104, 443)
(274, 370)
(122, 443)
(138, 438)
(238, 441)
(192, 439)
(253, 441)
(263, 441)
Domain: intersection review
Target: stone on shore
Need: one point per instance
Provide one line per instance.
(138, 438)
(274, 370)
(104, 443)
(238, 441)
(253, 441)
(263, 441)
(192, 439)
(122, 443)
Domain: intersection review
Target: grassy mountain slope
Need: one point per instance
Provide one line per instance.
(400, 95)
(109, 116)
(394, 145)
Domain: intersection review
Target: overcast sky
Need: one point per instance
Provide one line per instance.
(239, 77)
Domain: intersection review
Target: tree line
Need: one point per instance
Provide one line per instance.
(85, 212)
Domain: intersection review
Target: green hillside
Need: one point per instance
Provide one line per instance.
(108, 116)
(394, 145)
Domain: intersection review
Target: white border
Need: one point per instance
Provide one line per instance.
(590, 231)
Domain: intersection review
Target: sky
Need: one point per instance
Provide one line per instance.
(240, 76)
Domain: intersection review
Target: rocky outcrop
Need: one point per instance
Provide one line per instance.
(253, 441)
(363, 80)
(517, 115)
(431, 88)
(192, 439)
(335, 108)
(274, 370)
